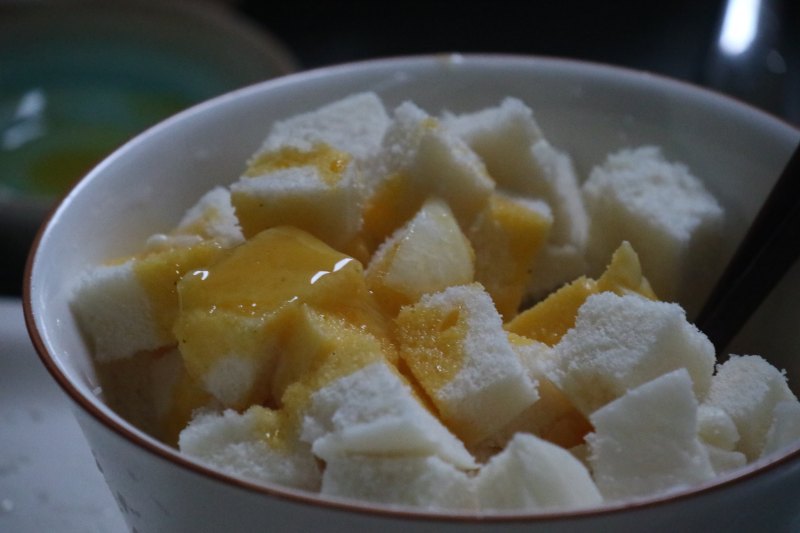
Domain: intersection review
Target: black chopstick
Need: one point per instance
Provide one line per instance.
(769, 249)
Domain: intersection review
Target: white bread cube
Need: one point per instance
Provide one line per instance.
(664, 212)
(719, 435)
(646, 442)
(533, 474)
(785, 428)
(239, 445)
(303, 197)
(116, 314)
(723, 461)
(211, 218)
(553, 417)
(621, 342)
(716, 428)
(374, 412)
(355, 124)
(748, 388)
(425, 482)
(128, 306)
(454, 344)
(520, 160)
(428, 254)
(419, 159)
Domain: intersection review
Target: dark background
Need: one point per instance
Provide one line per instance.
(674, 38)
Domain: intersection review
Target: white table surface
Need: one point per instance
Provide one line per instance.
(48, 477)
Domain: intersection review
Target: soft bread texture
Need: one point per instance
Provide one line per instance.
(552, 417)
(723, 461)
(519, 158)
(719, 435)
(455, 346)
(663, 211)
(748, 388)
(116, 304)
(785, 428)
(211, 218)
(621, 342)
(234, 316)
(130, 306)
(115, 312)
(715, 427)
(419, 159)
(355, 124)
(533, 474)
(304, 197)
(646, 441)
(373, 412)
(235, 443)
(425, 482)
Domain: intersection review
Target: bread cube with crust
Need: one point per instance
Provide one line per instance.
(355, 124)
(551, 318)
(316, 190)
(428, 254)
(621, 342)
(212, 218)
(519, 158)
(247, 445)
(454, 345)
(646, 440)
(665, 212)
(533, 474)
(227, 326)
(420, 159)
(131, 305)
(425, 482)
(552, 417)
(748, 389)
(374, 412)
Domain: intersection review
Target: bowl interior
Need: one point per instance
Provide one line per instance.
(586, 110)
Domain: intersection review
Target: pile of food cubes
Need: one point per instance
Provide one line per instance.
(436, 311)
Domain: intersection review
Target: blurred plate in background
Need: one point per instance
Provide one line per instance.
(77, 79)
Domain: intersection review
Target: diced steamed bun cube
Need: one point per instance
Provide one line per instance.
(355, 124)
(454, 344)
(238, 444)
(621, 342)
(749, 389)
(425, 482)
(533, 474)
(646, 441)
(665, 212)
(420, 159)
(374, 412)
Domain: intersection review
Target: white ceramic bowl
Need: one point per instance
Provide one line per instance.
(585, 109)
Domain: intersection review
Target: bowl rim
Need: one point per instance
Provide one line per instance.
(299, 496)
